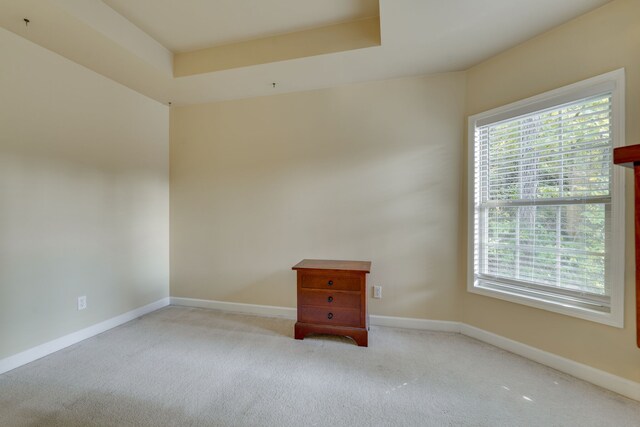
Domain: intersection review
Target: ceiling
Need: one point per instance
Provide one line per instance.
(135, 46)
(187, 25)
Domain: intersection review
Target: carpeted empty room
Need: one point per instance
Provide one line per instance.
(193, 367)
(319, 212)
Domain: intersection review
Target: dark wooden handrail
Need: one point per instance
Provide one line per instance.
(630, 157)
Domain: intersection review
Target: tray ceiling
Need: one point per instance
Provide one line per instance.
(416, 37)
(187, 25)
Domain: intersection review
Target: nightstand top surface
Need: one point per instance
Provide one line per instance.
(326, 264)
(627, 156)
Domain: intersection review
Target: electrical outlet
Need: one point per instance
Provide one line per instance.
(377, 292)
(82, 302)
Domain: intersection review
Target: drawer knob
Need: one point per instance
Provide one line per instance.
(330, 282)
(330, 316)
(330, 299)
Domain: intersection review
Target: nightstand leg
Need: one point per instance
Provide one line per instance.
(299, 332)
(361, 338)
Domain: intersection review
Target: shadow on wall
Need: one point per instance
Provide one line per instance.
(366, 172)
(250, 202)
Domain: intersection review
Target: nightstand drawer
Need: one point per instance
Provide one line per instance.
(329, 316)
(329, 298)
(331, 282)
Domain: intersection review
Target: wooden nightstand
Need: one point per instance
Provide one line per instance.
(332, 299)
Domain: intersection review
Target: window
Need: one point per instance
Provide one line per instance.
(546, 203)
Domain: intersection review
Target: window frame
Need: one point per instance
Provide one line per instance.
(615, 82)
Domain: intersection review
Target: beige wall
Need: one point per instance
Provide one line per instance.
(368, 171)
(601, 41)
(83, 197)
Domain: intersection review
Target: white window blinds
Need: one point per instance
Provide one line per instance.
(542, 202)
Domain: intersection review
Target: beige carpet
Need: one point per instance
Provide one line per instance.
(192, 367)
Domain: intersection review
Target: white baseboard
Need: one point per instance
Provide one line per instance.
(587, 373)
(409, 323)
(290, 313)
(595, 376)
(235, 307)
(47, 348)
